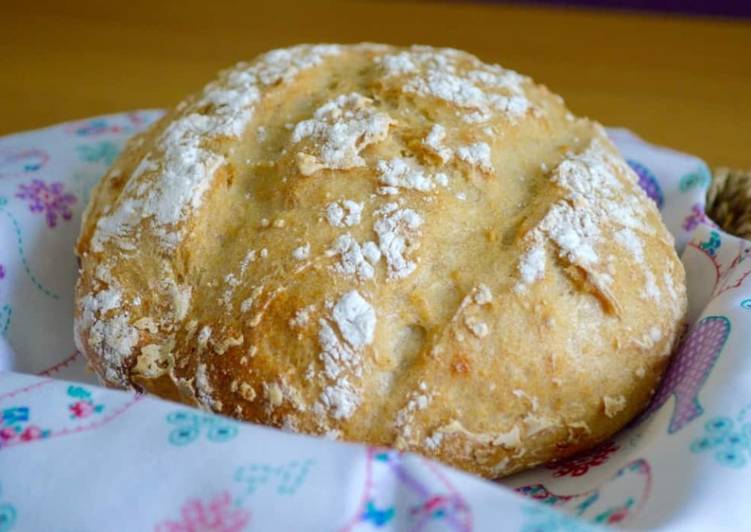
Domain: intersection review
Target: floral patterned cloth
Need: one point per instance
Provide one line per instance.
(74, 456)
(49, 198)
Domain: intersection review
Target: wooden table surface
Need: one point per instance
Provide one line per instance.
(678, 81)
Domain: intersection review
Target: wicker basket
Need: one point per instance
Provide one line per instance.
(729, 201)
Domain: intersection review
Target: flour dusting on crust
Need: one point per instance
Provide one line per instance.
(578, 224)
(355, 319)
(172, 186)
(340, 130)
(396, 229)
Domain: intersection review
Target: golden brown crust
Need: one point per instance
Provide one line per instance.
(405, 247)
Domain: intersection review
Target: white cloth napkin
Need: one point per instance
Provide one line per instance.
(77, 457)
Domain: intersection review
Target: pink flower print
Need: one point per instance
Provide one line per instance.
(618, 516)
(216, 515)
(32, 433)
(81, 409)
(579, 465)
(48, 198)
(83, 406)
(7, 434)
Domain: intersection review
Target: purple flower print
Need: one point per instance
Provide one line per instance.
(648, 182)
(48, 198)
(696, 217)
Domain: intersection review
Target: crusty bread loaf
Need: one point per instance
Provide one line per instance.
(405, 247)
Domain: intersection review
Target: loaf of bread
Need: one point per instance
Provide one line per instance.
(401, 246)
